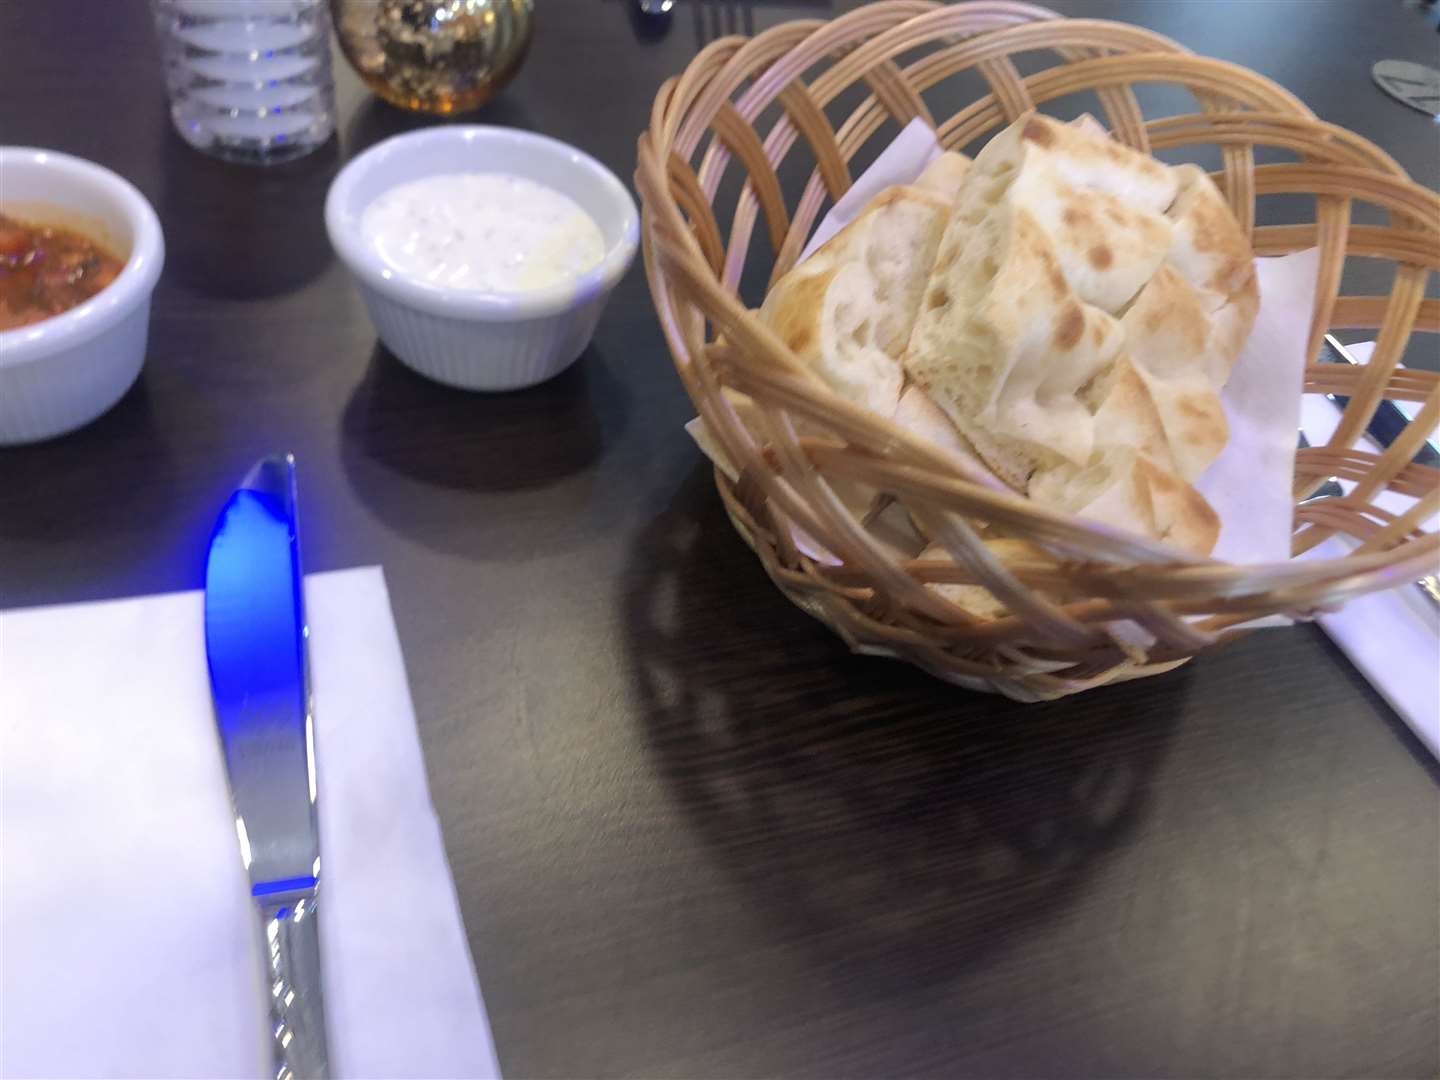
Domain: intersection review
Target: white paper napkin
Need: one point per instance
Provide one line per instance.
(1392, 637)
(1250, 483)
(128, 945)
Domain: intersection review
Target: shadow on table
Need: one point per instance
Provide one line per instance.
(439, 464)
(103, 511)
(56, 489)
(899, 826)
(377, 120)
(245, 232)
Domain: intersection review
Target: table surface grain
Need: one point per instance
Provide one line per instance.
(691, 835)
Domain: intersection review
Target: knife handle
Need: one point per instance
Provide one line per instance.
(297, 1012)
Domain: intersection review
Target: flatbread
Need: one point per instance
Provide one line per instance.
(1168, 335)
(1188, 324)
(1085, 307)
(944, 175)
(1063, 311)
(847, 310)
(1056, 228)
(1129, 491)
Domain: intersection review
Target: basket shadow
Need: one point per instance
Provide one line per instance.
(55, 500)
(476, 441)
(902, 828)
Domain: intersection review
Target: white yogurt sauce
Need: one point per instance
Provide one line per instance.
(489, 232)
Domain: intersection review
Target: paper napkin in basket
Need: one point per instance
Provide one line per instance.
(130, 944)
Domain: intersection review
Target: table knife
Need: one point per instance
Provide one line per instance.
(1388, 422)
(255, 643)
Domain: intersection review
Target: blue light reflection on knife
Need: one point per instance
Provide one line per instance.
(255, 644)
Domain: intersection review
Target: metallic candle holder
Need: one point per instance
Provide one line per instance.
(434, 56)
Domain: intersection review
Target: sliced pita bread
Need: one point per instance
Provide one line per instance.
(1003, 344)
(847, 310)
(1056, 228)
(1187, 326)
(1167, 336)
(1085, 307)
(1063, 310)
(917, 413)
(944, 175)
(1212, 254)
(1131, 480)
(1128, 491)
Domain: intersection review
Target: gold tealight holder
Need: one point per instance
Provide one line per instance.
(434, 56)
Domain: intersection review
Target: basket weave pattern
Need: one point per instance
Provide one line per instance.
(801, 438)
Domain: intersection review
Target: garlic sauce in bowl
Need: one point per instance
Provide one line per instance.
(490, 232)
(484, 255)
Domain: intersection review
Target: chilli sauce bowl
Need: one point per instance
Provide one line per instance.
(63, 371)
(462, 337)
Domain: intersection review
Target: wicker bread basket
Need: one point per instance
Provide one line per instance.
(750, 110)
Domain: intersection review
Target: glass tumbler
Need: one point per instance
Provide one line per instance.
(249, 80)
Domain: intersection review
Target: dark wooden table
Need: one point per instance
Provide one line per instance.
(692, 836)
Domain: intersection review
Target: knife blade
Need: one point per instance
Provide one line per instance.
(255, 644)
(1388, 422)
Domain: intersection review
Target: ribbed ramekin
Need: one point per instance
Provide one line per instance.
(463, 338)
(64, 371)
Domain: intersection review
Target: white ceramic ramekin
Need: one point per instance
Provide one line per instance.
(482, 341)
(62, 372)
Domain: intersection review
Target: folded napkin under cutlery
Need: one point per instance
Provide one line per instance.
(128, 945)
